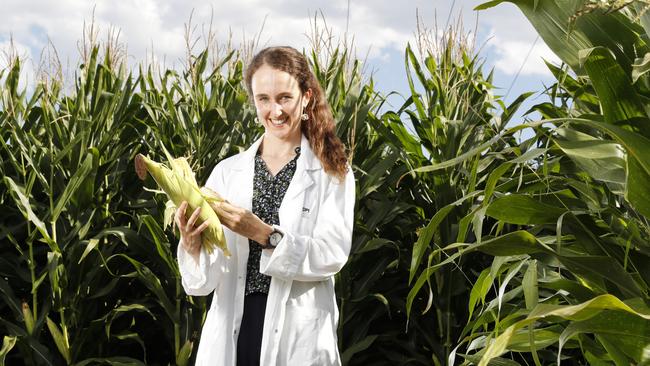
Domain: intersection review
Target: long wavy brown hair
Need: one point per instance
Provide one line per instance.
(320, 128)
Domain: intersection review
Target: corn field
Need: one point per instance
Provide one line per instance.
(470, 246)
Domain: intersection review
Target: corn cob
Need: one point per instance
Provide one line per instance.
(180, 185)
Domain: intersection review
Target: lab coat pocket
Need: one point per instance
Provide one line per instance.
(300, 336)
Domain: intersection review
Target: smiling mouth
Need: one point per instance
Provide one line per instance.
(278, 122)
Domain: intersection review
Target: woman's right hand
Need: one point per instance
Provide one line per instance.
(190, 235)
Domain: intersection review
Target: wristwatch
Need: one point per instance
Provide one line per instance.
(274, 238)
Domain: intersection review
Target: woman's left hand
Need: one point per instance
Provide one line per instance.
(243, 222)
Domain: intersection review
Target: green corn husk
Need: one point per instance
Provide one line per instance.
(180, 185)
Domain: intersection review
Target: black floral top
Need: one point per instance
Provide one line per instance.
(268, 192)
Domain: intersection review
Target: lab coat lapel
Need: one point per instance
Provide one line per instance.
(241, 195)
(243, 172)
(291, 206)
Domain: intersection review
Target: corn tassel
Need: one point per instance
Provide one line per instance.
(180, 185)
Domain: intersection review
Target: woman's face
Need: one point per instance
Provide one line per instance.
(279, 102)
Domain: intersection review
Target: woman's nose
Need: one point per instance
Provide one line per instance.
(276, 109)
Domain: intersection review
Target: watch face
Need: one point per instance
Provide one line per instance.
(275, 238)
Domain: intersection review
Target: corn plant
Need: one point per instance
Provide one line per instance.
(88, 274)
(468, 244)
(564, 214)
(370, 288)
(455, 115)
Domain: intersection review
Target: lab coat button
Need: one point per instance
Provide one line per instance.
(276, 330)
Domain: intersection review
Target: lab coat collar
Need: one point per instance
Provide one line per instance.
(306, 161)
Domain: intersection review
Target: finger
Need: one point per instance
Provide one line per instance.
(224, 216)
(211, 193)
(235, 213)
(180, 215)
(227, 207)
(236, 209)
(214, 206)
(195, 215)
(225, 221)
(200, 228)
(218, 209)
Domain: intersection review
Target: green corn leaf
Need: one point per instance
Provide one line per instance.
(530, 285)
(580, 312)
(493, 179)
(60, 341)
(640, 67)
(514, 243)
(599, 270)
(91, 244)
(509, 112)
(637, 188)
(8, 342)
(374, 244)
(489, 4)
(497, 361)
(9, 298)
(152, 282)
(112, 361)
(368, 279)
(543, 338)
(638, 149)
(552, 20)
(426, 234)
(618, 98)
(183, 357)
(523, 210)
(25, 207)
(357, 347)
(411, 61)
(479, 290)
(424, 238)
(163, 250)
(601, 159)
(629, 334)
(460, 158)
(121, 311)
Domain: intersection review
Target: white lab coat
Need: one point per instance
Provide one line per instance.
(316, 217)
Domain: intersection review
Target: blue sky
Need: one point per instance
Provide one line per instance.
(381, 29)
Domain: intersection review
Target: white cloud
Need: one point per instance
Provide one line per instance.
(529, 56)
(509, 37)
(380, 24)
(383, 26)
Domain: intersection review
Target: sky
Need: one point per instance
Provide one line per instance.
(380, 29)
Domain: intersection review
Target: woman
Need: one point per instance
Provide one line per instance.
(288, 216)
